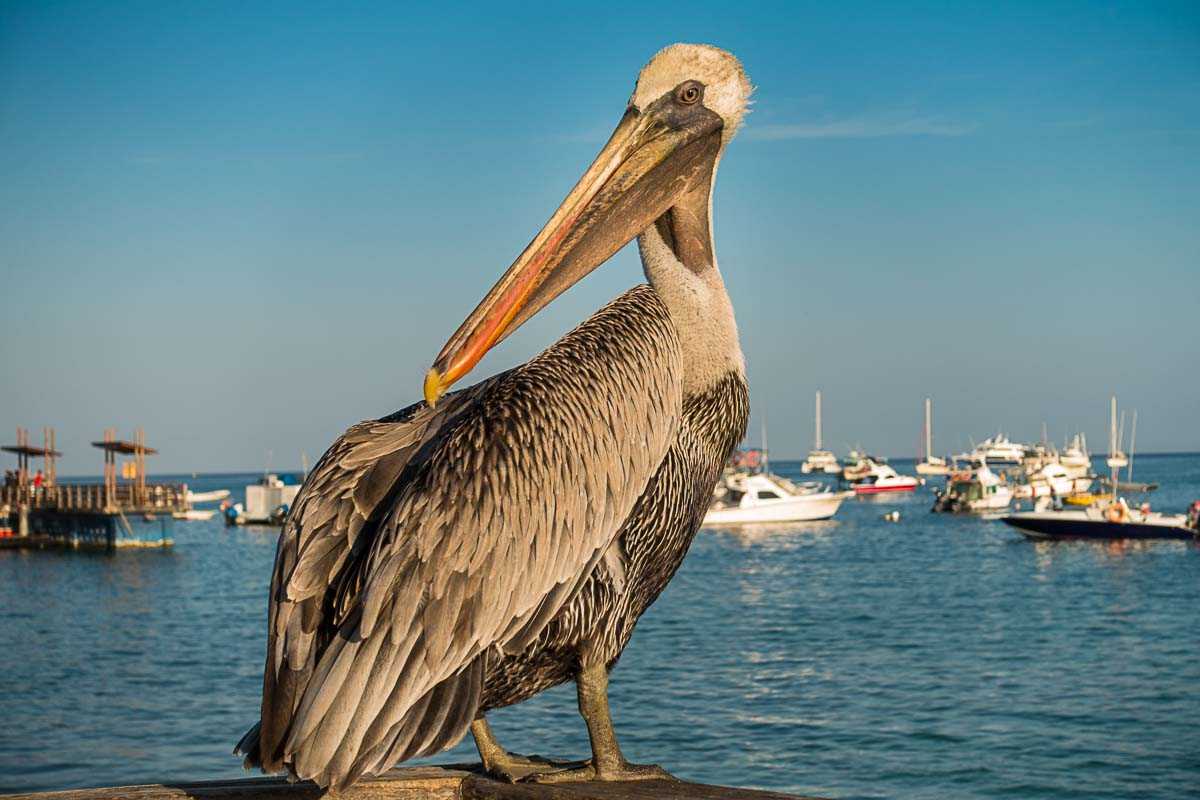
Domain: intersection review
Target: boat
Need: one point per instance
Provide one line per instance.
(973, 491)
(207, 497)
(1075, 455)
(1116, 458)
(856, 466)
(267, 503)
(819, 459)
(998, 449)
(1111, 520)
(195, 514)
(931, 464)
(880, 478)
(1052, 480)
(754, 497)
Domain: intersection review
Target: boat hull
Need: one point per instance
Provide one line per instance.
(874, 489)
(1043, 526)
(805, 508)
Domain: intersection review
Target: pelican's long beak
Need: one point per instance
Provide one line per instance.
(651, 159)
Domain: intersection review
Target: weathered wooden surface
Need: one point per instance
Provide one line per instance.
(414, 783)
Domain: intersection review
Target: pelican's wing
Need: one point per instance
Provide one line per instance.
(425, 540)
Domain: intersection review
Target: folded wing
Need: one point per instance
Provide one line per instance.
(423, 541)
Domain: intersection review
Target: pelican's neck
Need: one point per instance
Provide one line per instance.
(699, 307)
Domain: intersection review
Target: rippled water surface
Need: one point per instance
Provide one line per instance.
(934, 657)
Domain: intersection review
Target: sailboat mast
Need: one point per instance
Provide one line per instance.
(1132, 444)
(928, 428)
(1112, 428)
(817, 445)
(1112, 447)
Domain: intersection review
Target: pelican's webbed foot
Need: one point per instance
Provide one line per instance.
(510, 767)
(607, 763)
(624, 771)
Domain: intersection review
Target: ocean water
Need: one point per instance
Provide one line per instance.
(936, 657)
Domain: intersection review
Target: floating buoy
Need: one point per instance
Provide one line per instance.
(892, 516)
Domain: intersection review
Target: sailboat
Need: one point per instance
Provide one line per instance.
(931, 465)
(820, 460)
(1116, 458)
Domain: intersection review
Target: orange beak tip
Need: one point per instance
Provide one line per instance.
(433, 387)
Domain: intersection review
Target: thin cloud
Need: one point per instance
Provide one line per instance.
(859, 128)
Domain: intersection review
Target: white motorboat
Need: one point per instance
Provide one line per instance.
(881, 479)
(931, 464)
(267, 503)
(195, 514)
(746, 498)
(819, 459)
(207, 497)
(974, 491)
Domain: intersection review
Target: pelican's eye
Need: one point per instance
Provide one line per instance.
(689, 93)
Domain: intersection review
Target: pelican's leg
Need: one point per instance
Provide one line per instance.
(501, 764)
(607, 762)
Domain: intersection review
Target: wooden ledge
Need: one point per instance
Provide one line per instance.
(458, 782)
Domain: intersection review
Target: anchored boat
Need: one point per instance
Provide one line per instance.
(819, 459)
(1113, 520)
(745, 498)
(973, 491)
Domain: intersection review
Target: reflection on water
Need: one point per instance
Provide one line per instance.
(935, 657)
(755, 533)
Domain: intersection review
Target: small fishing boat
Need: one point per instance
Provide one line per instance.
(267, 503)
(882, 479)
(747, 498)
(819, 459)
(972, 492)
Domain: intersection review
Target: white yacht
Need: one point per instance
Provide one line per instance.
(931, 464)
(744, 497)
(998, 449)
(819, 459)
(974, 491)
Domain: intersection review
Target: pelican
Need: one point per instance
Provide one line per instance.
(474, 549)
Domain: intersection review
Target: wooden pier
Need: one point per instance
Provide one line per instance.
(416, 783)
(42, 512)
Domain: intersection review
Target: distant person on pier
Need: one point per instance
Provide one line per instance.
(38, 480)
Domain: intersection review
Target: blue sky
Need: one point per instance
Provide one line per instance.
(247, 226)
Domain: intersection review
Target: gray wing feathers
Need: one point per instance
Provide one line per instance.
(424, 540)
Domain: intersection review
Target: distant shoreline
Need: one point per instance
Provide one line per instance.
(183, 477)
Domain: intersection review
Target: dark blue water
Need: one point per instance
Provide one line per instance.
(935, 657)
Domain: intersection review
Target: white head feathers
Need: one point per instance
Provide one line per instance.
(726, 88)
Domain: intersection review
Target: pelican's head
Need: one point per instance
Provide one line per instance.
(717, 74)
(687, 104)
